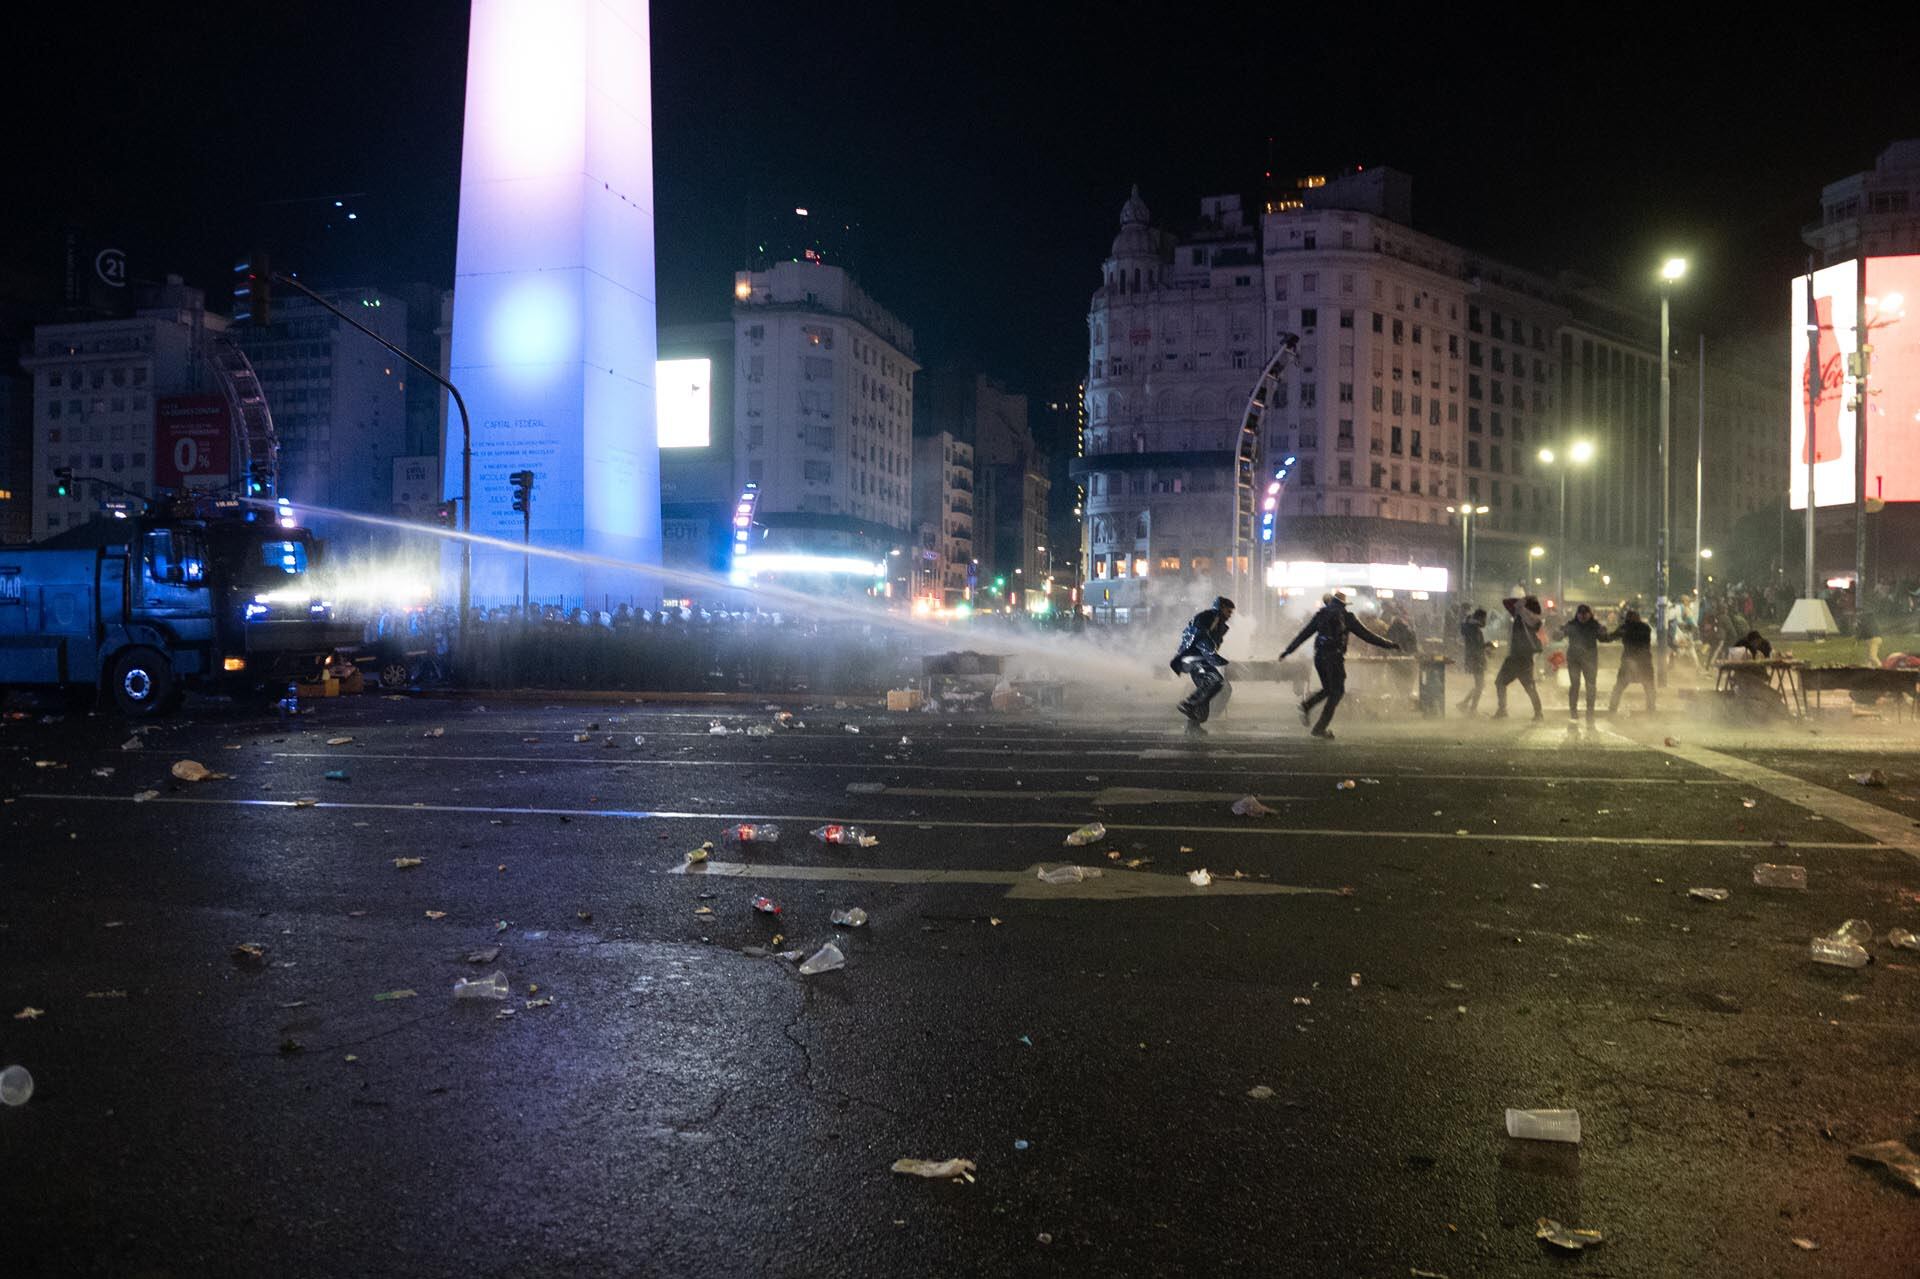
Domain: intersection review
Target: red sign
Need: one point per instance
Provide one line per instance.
(192, 441)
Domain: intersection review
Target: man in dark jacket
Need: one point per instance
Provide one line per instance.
(1582, 634)
(1522, 644)
(1473, 656)
(1199, 656)
(1329, 628)
(1636, 658)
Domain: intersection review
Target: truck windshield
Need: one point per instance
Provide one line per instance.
(176, 555)
(283, 559)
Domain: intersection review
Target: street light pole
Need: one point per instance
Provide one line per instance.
(1560, 547)
(1699, 471)
(1671, 271)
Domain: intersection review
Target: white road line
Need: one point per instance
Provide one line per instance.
(882, 765)
(1888, 827)
(1108, 885)
(1262, 829)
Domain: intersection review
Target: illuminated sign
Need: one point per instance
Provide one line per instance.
(684, 390)
(1844, 307)
(553, 323)
(1316, 575)
(192, 441)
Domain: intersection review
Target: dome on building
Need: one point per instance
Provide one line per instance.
(1136, 237)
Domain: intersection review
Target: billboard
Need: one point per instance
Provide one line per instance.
(192, 442)
(684, 391)
(1844, 306)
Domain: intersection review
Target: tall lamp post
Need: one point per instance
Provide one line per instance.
(1466, 514)
(1670, 272)
(1579, 453)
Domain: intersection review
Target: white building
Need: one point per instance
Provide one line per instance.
(1428, 377)
(823, 404)
(339, 400)
(1871, 214)
(97, 387)
(943, 494)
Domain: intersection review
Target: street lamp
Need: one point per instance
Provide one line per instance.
(1579, 453)
(1466, 514)
(1670, 272)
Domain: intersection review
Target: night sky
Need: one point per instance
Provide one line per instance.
(984, 150)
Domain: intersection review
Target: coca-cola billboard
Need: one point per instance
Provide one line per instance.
(192, 442)
(1844, 304)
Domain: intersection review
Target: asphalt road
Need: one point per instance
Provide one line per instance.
(1491, 916)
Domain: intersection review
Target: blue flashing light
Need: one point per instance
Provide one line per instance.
(1288, 460)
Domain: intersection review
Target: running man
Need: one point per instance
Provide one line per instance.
(1330, 628)
(1199, 656)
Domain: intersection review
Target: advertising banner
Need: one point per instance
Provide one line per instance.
(193, 442)
(1845, 309)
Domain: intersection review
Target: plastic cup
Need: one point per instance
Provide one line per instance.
(16, 1085)
(1544, 1125)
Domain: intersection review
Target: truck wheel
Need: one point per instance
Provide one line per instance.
(394, 674)
(143, 684)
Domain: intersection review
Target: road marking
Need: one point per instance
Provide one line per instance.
(1108, 885)
(612, 760)
(1111, 796)
(1262, 828)
(1887, 827)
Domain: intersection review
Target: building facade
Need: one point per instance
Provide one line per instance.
(695, 383)
(340, 401)
(1871, 214)
(98, 389)
(945, 566)
(1010, 481)
(823, 411)
(1430, 382)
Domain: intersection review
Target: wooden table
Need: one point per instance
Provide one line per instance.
(1902, 684)
(1783, 675)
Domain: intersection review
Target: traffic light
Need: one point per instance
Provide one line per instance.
(63, 481)
(443, 515)
(253, 290)
(522, 490)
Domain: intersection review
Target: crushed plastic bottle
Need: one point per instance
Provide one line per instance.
(16, 1085)
(849, 917)
(833, 833)
(766, 905)
(1199, 878)
(1544, 1125)
(1090, 833)
(760, 730)
(1899, 1159)
(824, 960)
(752, 833)
(1068, 874)
(1709, 894)
(1249, 806)
(1768, 875)
(717, 729)
(1872, 777)
(1901, 939)
(494, 987)
(1844, 947)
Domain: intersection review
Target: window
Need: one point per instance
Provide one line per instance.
(1309, 317)
(1498, 463)
(1346, 472)
(1473, 454)
(1394, 481)
(1399, 401)
(1474, 354)
(1473, 386)
(1379, 474)
(1473, 319)
(1399, 332)
(819, 472)
(1345, 438)
(1379, 399)
(1346, 319)
(1310, 241)
(1379, 322)
(1415, 450)
(1346, 393)
(1309, 395)
(1494, 419)
(1397, 443)
(1280, 288)
(53, 408)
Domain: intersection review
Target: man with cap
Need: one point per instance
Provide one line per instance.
(1329, 628)
(1199, 656)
